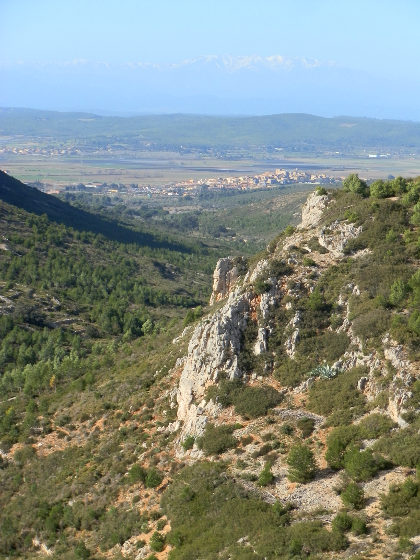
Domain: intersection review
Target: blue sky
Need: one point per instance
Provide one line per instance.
(152, 56)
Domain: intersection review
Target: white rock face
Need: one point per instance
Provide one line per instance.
(213, 348)
(313, 209)
(337, 235)
(225, 276)
(261, 344)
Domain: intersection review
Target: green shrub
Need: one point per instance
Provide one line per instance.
(339, 395)
(157, 542)
(217, 439)
(375, 425)
(261, 286)
(118, 525)
(301, 464)
(353, 496)
(136, 474)
(358, 526)
(402, 503)
(266, 476)
(362, 465)
(153, 478)
(290, 373)
(306, 425)
(253, 402)
(402, 447)
(353, 184)
(342, 522)
(188, 442)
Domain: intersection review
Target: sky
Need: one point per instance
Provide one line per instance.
(326, 57)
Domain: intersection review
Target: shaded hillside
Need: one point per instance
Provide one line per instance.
(32, 200)
(292, 130)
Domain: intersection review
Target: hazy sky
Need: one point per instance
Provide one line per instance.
(343, 56)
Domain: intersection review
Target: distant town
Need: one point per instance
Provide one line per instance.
(192, 187)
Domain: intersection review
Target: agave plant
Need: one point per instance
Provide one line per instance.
(323, 371)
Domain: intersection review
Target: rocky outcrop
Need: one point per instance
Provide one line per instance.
(337, 235)
(225, 276)
(313, 209)
(213, 348)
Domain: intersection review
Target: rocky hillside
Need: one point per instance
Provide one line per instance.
(313, 351)
(282, 424)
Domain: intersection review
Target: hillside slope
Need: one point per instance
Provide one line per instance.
(296, 130)
(283, 424)
(16, 193)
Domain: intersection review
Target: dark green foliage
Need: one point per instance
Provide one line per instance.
(157, 542)
(204, 528)
(371, 324)
(402, 504)
(353, 496)
(153, 478)
(252, 402)
(355, 185)
(188, 443)
(261, 286)
(338, 395)
(136, 474)
(337, 443)
(301, 464)
(402, 447)
(342, 522)
(306, 425)
(217, 439)
(358, 526)
(118, 525)
(81, 551)
(328, 346)
(362, 465)
(266, 477)
(278, 268)
(290, 372)
(375, 425)
(192, 315)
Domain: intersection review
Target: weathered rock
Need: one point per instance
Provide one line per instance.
(261, 344)
(225, 276)
(337, 235)
(214, 347)
(313, 209)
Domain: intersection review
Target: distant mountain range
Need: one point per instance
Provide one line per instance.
(281, 130)
(211, 84)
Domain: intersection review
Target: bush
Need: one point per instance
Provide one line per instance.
(362, 465)
(353, 496)
(157, 542)
(306, 425)
(403, 504)
(216, 439)
(375, 425)
(266, 476)
(136, 474)
(342, 522)
(358, 526)
(188, 442)
(301, 464)
(338, 395)
(252, 402)
(402, 447)
(153, 478)
(353, 184)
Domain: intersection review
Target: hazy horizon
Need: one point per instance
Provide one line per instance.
(354, 59)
